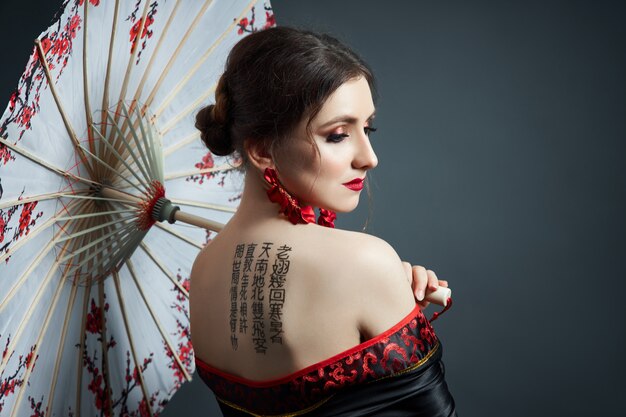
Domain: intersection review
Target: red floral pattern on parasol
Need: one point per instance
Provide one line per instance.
(27, 220)
(57, 44)
(146, 33)
(247, 24)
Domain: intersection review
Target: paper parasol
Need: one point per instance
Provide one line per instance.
(96, 144)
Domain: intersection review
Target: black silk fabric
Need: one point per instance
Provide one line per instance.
(422, 392)
(397, 373)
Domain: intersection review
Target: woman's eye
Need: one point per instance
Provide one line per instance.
(369, 129)
(336, 137)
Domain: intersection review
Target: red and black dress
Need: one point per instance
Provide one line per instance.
(397, 373)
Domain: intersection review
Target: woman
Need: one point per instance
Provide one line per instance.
(290, 317)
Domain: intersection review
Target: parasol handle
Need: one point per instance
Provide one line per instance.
(171, 213)
(165, 210)
(440, 296)
(194, 220)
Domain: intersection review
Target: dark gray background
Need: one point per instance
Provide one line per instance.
(501, 143)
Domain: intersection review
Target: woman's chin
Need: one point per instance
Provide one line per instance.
(346, 207)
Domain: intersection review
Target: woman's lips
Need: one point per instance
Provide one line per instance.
(355, 185)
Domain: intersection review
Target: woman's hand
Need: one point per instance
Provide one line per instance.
(422, 280)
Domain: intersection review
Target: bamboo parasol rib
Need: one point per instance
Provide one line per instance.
(38, 160)
(57, 362)
(182, 237)
(156, 320)
(42, 332)
(57, 100)
(171, 61)
(185, 79)
(88, 116)
(163, 268)
(192, 107)
(10, 348)
(40, 197)
(157, 49)
(181, 144)
(174, 55)
(116, 280)
(31, 267)
(104, 350)
(115, 140)
(49, 223)
(107, 79)
(183, 174)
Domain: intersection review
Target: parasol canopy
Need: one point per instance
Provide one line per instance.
(99, 165)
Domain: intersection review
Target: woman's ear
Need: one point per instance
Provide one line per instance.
(258, 154)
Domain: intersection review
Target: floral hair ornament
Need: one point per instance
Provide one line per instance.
(289, 205)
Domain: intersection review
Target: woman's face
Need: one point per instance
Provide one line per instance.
(340, 130)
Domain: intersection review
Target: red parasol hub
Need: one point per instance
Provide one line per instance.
(145, 219)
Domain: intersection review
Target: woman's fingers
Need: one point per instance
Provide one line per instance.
(420, 281)
(433, 282)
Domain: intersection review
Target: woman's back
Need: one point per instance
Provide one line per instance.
(270, 298)
(279, 305)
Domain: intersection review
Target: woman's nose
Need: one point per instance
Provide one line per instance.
(365, 157)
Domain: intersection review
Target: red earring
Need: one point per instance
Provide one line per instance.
(327, 218)
(289, 205)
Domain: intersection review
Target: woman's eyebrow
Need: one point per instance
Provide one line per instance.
(347, 118)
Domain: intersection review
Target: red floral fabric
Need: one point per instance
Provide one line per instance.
(405, 346)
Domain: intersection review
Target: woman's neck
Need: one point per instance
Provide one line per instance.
(255, 205)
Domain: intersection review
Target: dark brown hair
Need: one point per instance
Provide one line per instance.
(273, 80)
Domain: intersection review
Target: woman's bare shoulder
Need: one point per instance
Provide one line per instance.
(372, 277)
(363, 252)
(374, 280)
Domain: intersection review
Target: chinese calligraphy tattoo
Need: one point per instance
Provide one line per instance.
(252, 284)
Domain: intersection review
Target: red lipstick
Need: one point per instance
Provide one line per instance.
(355, 185)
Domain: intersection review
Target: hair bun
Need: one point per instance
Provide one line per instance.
(214, 133)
